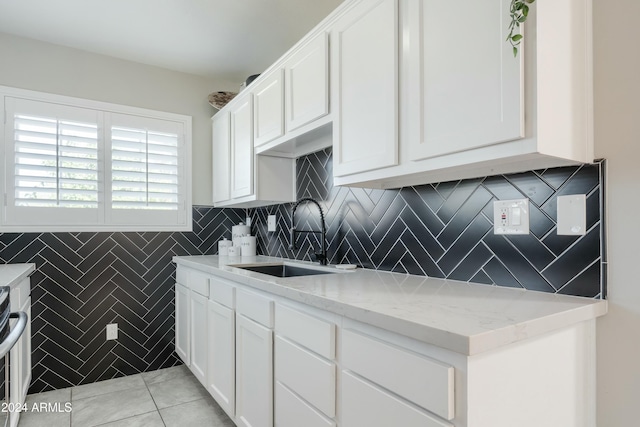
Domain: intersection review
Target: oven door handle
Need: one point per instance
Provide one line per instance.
(15, 334)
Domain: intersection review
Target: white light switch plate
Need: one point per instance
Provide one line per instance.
(271, 223)
(511, 216)
(572, 215)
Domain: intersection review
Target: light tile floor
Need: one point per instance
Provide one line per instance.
(168, 397)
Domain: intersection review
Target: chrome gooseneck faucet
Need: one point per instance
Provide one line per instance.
(322, 256)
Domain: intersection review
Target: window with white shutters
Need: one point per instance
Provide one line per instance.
(69, 166)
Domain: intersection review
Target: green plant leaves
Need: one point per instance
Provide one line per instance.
(518, 10)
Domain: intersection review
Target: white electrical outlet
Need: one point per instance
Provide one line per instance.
(112, 331)
(271, 223)
(511, 216)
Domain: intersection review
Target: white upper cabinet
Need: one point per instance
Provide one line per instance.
(307, 83)
(410, 92)
(364, 55)
(468, 107)
(241, 178)
(299, 123)
(465, 87)
(221, 156)
(268, 109)
(242, 148)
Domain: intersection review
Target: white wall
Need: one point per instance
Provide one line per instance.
(617, 102)
(34, 65)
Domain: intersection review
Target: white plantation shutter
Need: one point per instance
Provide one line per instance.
(147, 169)
(56, 162)
(52, 172)
(75, 165)
(144, 169)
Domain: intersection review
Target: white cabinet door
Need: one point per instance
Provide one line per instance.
(182, 324)
(307, 83)
(20, 354)
(364, 46)
(268, 109)
(25, 353)
(254, 374)
(464, 88)
(199, 348)
(221, 157)
(222, 367)
(242, 149)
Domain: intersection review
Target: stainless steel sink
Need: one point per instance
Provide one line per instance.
(283, 270)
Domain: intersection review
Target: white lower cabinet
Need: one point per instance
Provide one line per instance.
(310, 376)
(183, 346)
(365, 405)
(222, 356)
(305, 370)
(293, 411)
(270, 361)
(254, 373)
(432, 383)
(20, 354)
(399, 386)
(25, 352)
(192, 291)
(198, 316)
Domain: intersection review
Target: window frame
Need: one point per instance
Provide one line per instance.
(183, 218)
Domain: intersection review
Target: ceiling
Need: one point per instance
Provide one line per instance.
(227, 39)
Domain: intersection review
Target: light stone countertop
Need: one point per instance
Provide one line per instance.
(467, 318)
(12, 274)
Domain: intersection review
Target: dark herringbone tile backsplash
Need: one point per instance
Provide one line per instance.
(85, 280)
(445, 230)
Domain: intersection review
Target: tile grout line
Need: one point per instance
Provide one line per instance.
(154, 400)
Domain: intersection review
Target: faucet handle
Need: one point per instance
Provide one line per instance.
(292, 239)
(319, 257)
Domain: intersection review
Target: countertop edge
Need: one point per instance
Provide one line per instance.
(19, 273)
(499, 338)
(466, 345)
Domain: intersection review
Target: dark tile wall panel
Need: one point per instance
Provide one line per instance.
(85, 280)
(445, 230)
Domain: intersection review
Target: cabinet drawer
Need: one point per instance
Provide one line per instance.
(182, 275)
(423, 381)
(291, 411)
(20, 294)
(310, 376)
(255, 307)
(193, 279)
(364, 404)
(310, 332)
(222, 292)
